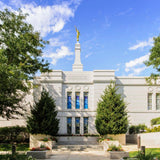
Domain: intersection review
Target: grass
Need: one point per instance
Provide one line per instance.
(10, 157)
(8, 147)
(154, 151)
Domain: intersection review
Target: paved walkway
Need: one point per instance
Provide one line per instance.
(78, 155)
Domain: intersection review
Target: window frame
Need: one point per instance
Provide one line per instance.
(69, 128)
(69, 101)
(76, 127)
(150, 104)
(157, 104)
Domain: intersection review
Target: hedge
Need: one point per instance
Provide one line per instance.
(13, 134)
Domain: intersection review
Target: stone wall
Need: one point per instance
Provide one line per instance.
(131, 138)
(35, 140)
(150, 140)
(119, 137)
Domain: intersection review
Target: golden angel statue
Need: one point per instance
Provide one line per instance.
(78, 33)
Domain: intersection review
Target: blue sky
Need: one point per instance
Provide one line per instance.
(114, 34)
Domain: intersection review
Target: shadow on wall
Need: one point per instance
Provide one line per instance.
(52, 92)
(120, 87)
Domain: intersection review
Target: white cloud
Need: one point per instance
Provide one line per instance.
(4, 6)
(125, 12)
(46, 19)
(87, 55)
(137, 61)
(60, 53)
(137, 71)
(142, 44)
(135, 66)
(54, 42)
(118, 67)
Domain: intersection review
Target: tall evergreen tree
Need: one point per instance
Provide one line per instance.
(43, 118)
(111, 113)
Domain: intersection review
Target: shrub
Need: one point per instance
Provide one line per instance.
(142, 156)
(155, 129)
(155, 121)
(13, 134)
(134, 129)
(114, 148)
(111, 115)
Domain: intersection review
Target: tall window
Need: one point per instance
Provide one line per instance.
(85, 123)
(158, 101)
(149, 101)
(77, 100)
(77, 125)
(69, 125)
(69, 100)
(85, 100)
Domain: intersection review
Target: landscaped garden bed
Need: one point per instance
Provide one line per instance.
(41, 152)
(116, 152)
(38, 154)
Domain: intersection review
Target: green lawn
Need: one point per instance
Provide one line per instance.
(10, 157)
(20, 147)
(155, 151)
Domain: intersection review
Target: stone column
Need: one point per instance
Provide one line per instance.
(81, 125)
(73, 125)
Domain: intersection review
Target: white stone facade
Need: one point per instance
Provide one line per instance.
(59, 83)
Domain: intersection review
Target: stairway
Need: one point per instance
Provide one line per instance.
(78, 148)
(77, 143)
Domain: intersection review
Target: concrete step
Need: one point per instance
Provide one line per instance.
(78, 148)
(130, 147)
(77, 143)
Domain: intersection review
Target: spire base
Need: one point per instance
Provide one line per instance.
(77, 66)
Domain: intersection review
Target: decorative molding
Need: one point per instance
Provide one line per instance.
(69, 88)
(78, 88)
(86, 88)
(158, 89)
(150, 89)
(158, 81)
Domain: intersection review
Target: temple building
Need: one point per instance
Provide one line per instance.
(77, 92)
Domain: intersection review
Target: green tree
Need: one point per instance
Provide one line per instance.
(43, 116)
(20, 58)
(111, 115)
(154, 60)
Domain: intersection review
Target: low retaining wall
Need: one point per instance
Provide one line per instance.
(131, 138)
(117, 154)
(150, 140)
(89, 140)
(119, 137)
(35, 140)
(39, 154)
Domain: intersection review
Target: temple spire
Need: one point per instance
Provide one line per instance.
(77, 66)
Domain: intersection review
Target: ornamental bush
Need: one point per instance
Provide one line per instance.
(43, 118)
(13, 134)
(134, 129)
(111, 115)
(155, 129)
(155, 121)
